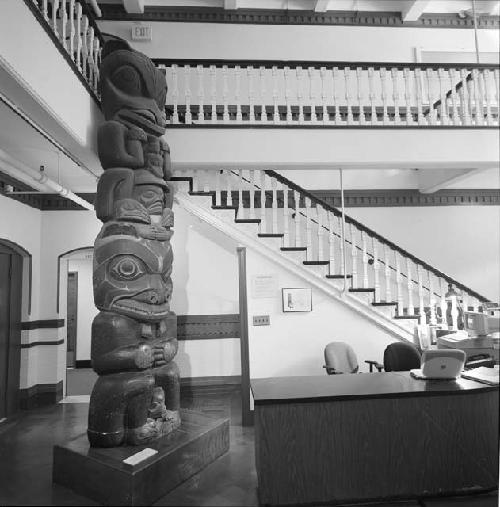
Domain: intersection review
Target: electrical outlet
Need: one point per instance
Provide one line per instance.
(261, 320)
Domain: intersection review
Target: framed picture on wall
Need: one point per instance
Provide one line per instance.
(297, 300)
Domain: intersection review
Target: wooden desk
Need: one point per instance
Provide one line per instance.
(372, 436)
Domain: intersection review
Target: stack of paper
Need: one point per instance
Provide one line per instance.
(485, 375)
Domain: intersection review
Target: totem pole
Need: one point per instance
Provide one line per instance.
(134, 336)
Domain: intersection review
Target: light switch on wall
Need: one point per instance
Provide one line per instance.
(261, 320)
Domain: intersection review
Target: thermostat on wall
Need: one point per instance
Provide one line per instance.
(142, 32)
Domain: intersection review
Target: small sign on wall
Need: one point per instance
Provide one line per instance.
(142, 32)
(297, 300)
(264, 286)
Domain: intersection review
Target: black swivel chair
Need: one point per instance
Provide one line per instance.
(398, 356)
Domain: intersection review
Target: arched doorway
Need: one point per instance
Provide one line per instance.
(11, 283)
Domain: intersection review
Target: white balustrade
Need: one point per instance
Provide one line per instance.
(421, 307)
(478, 104)
(372, 96)
(453, 96)
(286, 218)
(395, 95)
(55, 8)
(218, 193)
(251, 194)
(64, 24)
(188, 117)
(85, 49)
(201, 94)
(432, 301)
(229, 192)
(71, 16)
(337, 119)
(387, 275)
(213, 94)
(408, 96)
(350, 117)
(409, 281)
(432, 114)
(296, 202)
(320, 219)
(300, 95)
(79, 15)
(225, 95)
(464, 98)
(263, 224)
(383, 79)
(45, 9)
(376, 267)
(288, 95)
(251, 98)
(276, 113)
(362, 117)
(443, 303)
(364, 259)
(487, 98)
(240, 213)
(443, 109)
(354, 256)
(420, 95)
(312, 95)
(274, 208)
(237, 99)
(331, 242)
(399, 290)
(263, 114)
(307, 203)
(90, 56)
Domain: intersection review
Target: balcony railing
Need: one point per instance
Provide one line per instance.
(343, 94)
(73, 29)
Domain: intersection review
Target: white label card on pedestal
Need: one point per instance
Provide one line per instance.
(264, 286)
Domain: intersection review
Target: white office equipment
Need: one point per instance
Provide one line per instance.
(440, 364)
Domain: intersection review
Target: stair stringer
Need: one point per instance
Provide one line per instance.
(193, 205)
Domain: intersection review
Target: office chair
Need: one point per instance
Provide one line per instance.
(401, 356)
(340, 358)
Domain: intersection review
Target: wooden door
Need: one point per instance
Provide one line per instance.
(72, 318)
(10, 330)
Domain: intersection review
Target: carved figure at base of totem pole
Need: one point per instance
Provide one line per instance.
(134, 336)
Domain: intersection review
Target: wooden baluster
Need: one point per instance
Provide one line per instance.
(477, 98)
(312, 94)
(201, 94)
(286, 76)
(85, 49)
(364, 259)
(331, 243)
(251, 98)
(218, 192)
(240, 212)
(97, 57)
(464, 99)
(432, 301)
(79, 40)
(45, 10)
(442, 303)
(350, 117)
(454, 313)
(485, 78)
(354, 257)
(188, 118)
(263, 224)
(229, 197)
(90, 55)
(454, 107)
(263, 115)
(225, 93)
(213, 94)
(324, 108)
(421, 309)
(336, 115)
(371, 95)
(387, 274)
(399, 292)
(300, 95)
(175, 95)
(55, 9)
(465, 302)
(307, 204)
(430, 96)
(420, 95)
(496, 75)
(237, 98)
(251, 193)
(362, 117)
(376, 267)
(206, 178)
(409, 281)
(276, 113)
(64, 24)
(296, 202)
(383, 81)
(443, 108)
(286, 218)
(480, 98)
(321, 246)
(395, 95)
(71, 17)
(409, 114)
(274, 204)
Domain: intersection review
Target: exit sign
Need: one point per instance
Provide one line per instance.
(142, 32)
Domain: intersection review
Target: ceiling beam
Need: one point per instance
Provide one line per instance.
(432, 180)
(321, 5)
(134, 6)
(231, 4)
(413, 9)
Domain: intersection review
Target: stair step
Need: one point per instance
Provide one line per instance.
(338, 277)
(315, 263)
(406, 317)
(385, 303)
(247, 220)
(224, 206)
(181, 178)
(269, 235)
(209, 193)
(367, 289)
(293, 248)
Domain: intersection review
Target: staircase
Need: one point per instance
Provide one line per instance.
(332, 252)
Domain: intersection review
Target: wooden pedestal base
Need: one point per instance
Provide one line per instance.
(100, 474)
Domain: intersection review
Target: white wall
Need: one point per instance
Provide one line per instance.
(299, 42)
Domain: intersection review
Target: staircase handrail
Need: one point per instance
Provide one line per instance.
(317, 64)
(374, 234)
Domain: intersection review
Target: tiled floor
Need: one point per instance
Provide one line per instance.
(26, 460)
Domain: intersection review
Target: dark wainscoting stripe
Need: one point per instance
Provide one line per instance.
(233, 380)
(409, 197)
(42, 324)
(207, 327)
(40, 395)
(287, 17)
(35, 344)
(84, 363)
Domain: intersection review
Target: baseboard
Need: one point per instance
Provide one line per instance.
(214, 381)
(40, 395)
(84, 363)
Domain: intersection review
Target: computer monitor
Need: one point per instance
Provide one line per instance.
(480, 324)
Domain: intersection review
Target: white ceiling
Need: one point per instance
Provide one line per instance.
(411, 9)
